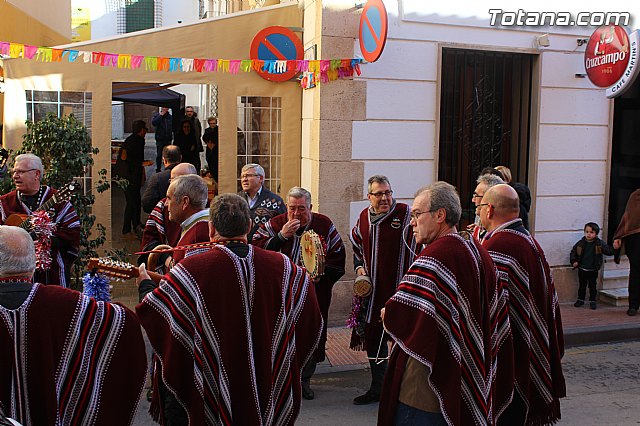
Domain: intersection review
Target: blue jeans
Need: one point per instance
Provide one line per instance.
(409, 416)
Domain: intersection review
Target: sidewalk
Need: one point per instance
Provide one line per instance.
(582, 326)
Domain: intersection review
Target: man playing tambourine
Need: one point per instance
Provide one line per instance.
(60, 239)
(283, 233)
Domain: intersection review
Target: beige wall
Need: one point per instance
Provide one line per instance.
(56, 14)
(328, 113)
(191, 41)
(43, 30)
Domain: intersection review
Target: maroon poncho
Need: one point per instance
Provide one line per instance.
(159, 229)
(233, 334)
(67, 359)
(197, 232)
(334, 259)
(450, 314)
(383, 247)
(65, 252)
(538, 343)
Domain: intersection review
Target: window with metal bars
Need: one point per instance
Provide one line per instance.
(259, 137)
(40, 103)
(136, 15)
(485, 110)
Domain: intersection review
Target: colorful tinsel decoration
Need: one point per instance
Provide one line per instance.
(43, 227)
(96, 286)
(354, 317)
(314, 71)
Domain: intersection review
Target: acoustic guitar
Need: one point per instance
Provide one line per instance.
(22, 220)
(117, 269)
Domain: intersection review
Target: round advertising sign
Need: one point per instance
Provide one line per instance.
(277, 44)
(607, 55)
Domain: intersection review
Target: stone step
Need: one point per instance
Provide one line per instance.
(614, 296)
(615, 278)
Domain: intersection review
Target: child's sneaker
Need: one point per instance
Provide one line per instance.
(579, 303)
(592, 305)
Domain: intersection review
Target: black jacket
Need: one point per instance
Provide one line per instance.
(156, 189)
(601, 248)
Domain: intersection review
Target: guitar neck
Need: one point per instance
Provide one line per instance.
(62, 195)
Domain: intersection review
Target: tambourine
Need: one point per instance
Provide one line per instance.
(362, 286)
(312, 253)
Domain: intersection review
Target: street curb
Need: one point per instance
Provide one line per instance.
(602, 334)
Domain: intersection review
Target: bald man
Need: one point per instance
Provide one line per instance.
(158, 183)
(158, 229)
(534, 313)
(64, 357)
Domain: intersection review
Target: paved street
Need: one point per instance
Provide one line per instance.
(602, 388)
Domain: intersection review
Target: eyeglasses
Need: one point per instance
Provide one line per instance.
(476, 195)
(21, 172)
(381, 194)
(416, 213)
(482, 205)
(248, 175)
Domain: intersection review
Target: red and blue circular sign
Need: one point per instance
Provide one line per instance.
(373, 30)
(276, 44)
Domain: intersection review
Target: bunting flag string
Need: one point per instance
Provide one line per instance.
(312, 72)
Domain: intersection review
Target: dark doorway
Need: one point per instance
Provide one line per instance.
(625, 154)
(484, 118)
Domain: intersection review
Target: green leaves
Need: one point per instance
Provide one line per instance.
(64, 145)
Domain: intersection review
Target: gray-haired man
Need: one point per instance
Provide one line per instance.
(263, 204)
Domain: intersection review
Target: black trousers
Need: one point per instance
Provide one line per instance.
(378, 368)
(587, 279)
(133, 208)
(632, 247)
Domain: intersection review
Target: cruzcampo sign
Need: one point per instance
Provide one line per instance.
(611, 59)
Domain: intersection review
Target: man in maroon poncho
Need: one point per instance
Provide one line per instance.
(159, 229)
(186, 204)
(282, 233)
(383, 249)
(64, 358)
(534, 312)
(450, 324)
(232, 328)
(29, 196)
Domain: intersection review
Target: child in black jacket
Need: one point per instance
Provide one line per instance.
(587, 256)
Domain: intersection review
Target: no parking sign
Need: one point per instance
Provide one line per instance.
(276, 44)
(373, 30)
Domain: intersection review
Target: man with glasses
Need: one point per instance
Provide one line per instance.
(485, 181)
(441, 318)
(383, 249)
(534, 312)
(27, 198)
(263, 204)
(283, 233)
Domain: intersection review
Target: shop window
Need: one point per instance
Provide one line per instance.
(259, 137)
